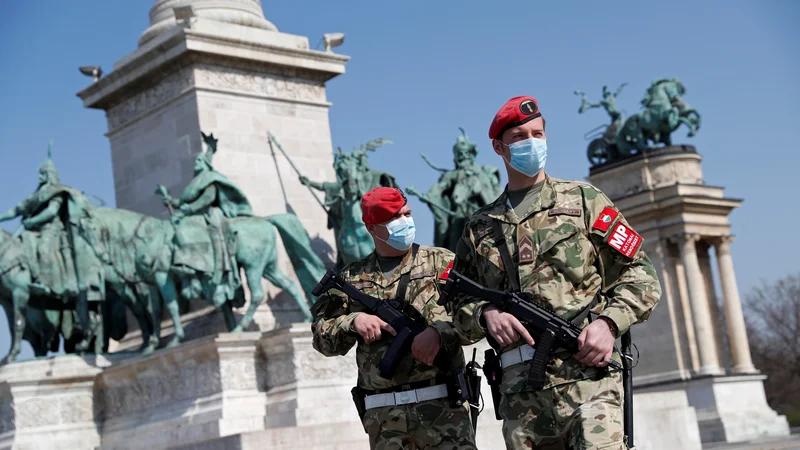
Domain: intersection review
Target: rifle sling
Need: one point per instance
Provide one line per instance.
(505, 255)
(405, 278)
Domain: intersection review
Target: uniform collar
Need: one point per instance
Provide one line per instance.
(372, 270)
(501, 208)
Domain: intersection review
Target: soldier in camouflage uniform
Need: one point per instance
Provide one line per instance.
(339, 323)
(566, 242)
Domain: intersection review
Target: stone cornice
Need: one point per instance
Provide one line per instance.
(179, 47)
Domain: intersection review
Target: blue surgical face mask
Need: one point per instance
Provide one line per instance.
(528, 156)
(401, 233)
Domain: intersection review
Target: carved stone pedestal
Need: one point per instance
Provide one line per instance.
(726, 408)
(664, 420)
(734, 409)
(201, 390)
(49, 403)
(272, 390)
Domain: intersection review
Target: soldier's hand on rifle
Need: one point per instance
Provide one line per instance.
(595, 344)
(369, 327)
(185, 209)
(426, 346)
(504, 327)
(304, 180)
(28, 223)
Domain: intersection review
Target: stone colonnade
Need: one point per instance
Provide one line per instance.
(688, 263)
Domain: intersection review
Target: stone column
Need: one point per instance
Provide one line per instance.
(704, 328)
(737, 334)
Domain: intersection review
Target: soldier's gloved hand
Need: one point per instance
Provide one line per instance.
(595, 344)
(504, 327)
(28, 223)
(426, 346)
(369, 327)
(303, 179)
(186, 209)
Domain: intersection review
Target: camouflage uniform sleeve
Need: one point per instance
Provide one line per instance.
(467, 309)
(630, 283)
(332, 326)
(450, 337)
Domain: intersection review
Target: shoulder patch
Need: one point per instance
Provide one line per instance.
(576, 212)
(624, 240)
(446, 273)
(605, 219)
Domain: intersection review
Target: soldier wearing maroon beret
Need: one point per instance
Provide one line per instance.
(567, 245)
(403, 270)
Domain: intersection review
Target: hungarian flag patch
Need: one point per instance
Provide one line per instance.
(624, 240)
(606, 218)
(446, 272)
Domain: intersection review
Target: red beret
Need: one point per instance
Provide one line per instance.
(514, 113)
(380, 204)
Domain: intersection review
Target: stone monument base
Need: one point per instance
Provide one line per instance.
(213, 387)
(49, 403)
(664, 420)
(273, 390)
(730, 408)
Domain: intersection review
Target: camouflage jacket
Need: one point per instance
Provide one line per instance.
(334, 314)
(569, 245)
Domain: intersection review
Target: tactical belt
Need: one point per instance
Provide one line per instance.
(418, 391)
(516, 355)
(406, 397)
(408, 386)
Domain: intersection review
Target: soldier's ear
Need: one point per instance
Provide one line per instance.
(497, 146)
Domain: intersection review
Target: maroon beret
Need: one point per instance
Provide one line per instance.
(380, 204)
(514, 113)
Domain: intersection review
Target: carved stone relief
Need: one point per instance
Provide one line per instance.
(277, 85)
(149, 99)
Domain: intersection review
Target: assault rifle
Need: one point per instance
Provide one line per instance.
(407, 323)
(549, 331)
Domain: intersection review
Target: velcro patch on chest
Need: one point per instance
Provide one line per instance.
(480, 234)
(624, 240)
(425, 274)
(576, 212)
(362, 284)
(525, 250)
(605, 219)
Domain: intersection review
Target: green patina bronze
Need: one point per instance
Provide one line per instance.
(77, 262)
(354, 178)
(664, 111)
(63, 270)
(459, 192)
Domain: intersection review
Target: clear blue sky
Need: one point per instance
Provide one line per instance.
(421, 69)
